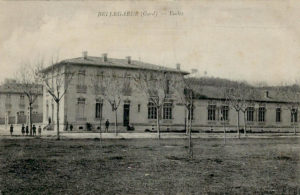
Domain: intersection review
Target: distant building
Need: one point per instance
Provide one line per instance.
(14, 105)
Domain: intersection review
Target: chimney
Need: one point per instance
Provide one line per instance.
(194, 70)
(178, 66)
(129, 59)
(104, 57)
(84, 54)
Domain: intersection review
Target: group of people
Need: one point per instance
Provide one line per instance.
(26, 131)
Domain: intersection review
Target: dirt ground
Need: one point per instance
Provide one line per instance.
(149, 166)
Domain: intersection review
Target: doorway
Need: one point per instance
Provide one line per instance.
(126, 114)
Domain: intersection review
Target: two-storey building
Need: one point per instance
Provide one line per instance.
(14, 104)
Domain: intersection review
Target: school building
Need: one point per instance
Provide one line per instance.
(85, 109)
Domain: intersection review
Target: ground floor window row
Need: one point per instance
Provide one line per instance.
(166, 112)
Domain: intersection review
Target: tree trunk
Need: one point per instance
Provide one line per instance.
(185, 121)
(116, 123)
(30, 118)
(224, 131)
(190, 134)
(57, 119)
(238, 124)
(100, 131)
(157, 122)
(245, 127)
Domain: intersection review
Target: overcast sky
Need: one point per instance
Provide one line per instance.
(256, 41)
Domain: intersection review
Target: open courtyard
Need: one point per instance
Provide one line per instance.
(149, 166)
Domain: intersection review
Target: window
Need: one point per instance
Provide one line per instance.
(250, 114)
(152, 111)
(294, 115)
(167, 111)
(211, 112)
(8, 101)
(113, 107)
(21, 113)
(22, 99)
(99, 106)
(81, 77)
(191, 112)
(278, 114)
(126, 85)
(8, 98)
(100, 75)
(224, 113)
(80, 107)
(261, 114)
(168, 86)
(139, 107)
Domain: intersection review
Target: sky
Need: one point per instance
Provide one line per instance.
(250, 40)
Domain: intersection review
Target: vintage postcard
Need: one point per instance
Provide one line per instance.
(150, 97)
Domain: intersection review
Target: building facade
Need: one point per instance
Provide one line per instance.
(14, 105)
(85, 108)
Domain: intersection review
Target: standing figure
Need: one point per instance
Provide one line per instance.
(34, 130)
(11, 129)
(27, 130)
(23, 130)
(71, 127)
(106, 125)
(40, 130)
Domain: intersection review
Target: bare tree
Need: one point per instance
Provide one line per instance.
(98, 89)
(57, 80)
(113, 88)
(238, 99)
(223, 118)
(156, 87)
(292, 95)
(186, 89)
(28, 83)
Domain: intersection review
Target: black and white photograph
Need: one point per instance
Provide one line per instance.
(150, 97)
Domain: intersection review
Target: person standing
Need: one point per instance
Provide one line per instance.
(106, 125)
(40, 130)
(11, 129)
(27, 130)
(34, 130)
(71, 127)
(23, 130)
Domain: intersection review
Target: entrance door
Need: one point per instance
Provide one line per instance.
(126, 114)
